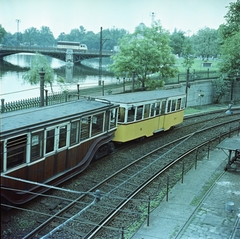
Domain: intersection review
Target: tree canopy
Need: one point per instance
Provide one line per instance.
(230, 49)
(206, 43)
(2, 33)
(232, 20)
(187, 53)
(145, 52)
(39, 63)
(176, 41)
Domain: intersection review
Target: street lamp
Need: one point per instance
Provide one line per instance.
(102, 41)
(18, 21)
(187, 86)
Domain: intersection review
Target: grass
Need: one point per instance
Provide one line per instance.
(204, 108)
(197, 199)
(197, 65)
(191, 111)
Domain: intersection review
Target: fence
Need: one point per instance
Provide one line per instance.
(201, 75)
(51, 99)
(56, 98)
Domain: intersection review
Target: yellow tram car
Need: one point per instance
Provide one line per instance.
(144, 113)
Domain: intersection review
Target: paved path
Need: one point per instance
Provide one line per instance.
(216, 217)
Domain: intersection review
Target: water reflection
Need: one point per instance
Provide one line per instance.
(69, 72)
(15, 66)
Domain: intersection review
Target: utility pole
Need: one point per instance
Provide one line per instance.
(100, 58)
(187, 86)
(18, 21)
(102, 41)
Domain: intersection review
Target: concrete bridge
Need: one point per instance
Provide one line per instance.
(61, 54)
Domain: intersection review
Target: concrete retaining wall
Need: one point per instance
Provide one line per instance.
(202, 92)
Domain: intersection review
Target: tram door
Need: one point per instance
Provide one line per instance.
(160, 111)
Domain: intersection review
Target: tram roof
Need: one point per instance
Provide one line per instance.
(143, 96)
(68, 43)
(48, 114)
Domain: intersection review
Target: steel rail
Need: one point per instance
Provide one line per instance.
(108, 218)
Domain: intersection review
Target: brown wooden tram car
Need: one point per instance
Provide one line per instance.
(49, 145)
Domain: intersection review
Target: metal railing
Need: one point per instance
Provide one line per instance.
(34, 102)
(61, 97)
(42, 49)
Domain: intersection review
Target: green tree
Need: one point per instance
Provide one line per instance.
(221, 86)
(62, 37)
(31, 36)
(206, 43)
(145, 52)
(10, 40)
(229, 65)
(176, 42)
(188, 53)
(45, 37)
(232, 20)
(2, 33)
(38, 63)
(112, 37)
(91, 40)
(230, 59)
(76, 35)
(230, 33)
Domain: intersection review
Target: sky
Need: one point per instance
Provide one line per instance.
(65, 15)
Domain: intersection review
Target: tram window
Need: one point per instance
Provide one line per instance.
(169, 106)
(163, 107)
(108, 120)
(113, 118)
(158, 108)
(152, 110)
(50, 140)
(36, 146)
(1, 155)
(146, 111)
(173, 107)
(178, 104)
(97, 124)
(16, 151)
(139, 112)
(130, 116)
(62, 136)
(121, 115)
(74, 133)
(85, 127)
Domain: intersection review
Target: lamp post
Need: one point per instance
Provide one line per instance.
(18, 21)
(187, 86)
(100, 58)
(102, 41)
(42, 73)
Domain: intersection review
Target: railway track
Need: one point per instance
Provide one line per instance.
(119, 189)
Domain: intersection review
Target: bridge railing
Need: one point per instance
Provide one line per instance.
(27, 48)
(51, 49)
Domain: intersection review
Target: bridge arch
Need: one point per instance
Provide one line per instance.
(55, 52)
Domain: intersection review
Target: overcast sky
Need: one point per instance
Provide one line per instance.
(65, 15)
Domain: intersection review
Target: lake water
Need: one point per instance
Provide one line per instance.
(12, 69)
